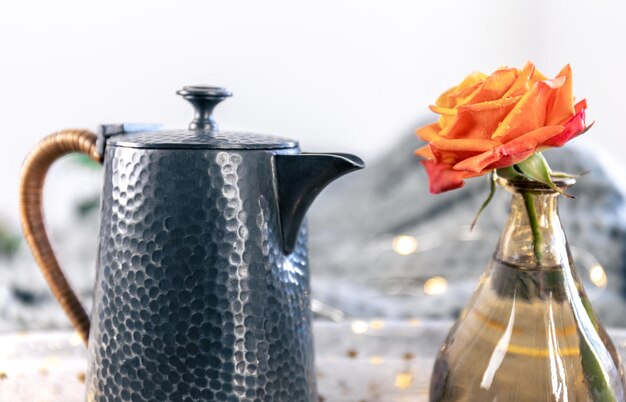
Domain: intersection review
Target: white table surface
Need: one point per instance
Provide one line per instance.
(357, 361)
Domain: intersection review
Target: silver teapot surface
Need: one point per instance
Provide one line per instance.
(202, 285)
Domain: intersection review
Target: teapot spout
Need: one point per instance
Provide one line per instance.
(300, 178)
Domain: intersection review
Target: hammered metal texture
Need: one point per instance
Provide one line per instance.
(201, 139)
(194, 299)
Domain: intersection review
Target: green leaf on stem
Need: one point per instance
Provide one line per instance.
(536, 168)
(563, 175)
(492, 191)
(509, 173)
(595, 376)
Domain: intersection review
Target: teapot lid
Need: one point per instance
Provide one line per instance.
(203, 131)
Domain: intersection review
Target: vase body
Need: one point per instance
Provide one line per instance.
(528, 332)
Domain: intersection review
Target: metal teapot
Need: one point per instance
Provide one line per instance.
(202, 284)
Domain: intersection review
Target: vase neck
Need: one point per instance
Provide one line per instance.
(533, 236)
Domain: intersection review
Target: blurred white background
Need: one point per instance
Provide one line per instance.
(350, 75)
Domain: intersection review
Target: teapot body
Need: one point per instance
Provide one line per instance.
(202, 285)
(194, 297)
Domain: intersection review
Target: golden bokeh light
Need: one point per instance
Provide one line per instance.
(76, 340)
(377, 324)
(436, 285)
(376, 360)
(404, 245)
(403, 380)
(359, 327)
(597, 276)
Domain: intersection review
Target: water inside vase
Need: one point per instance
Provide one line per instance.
(528, 334)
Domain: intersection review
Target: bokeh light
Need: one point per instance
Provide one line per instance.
(360, 327)
(404, 245)
(597, 275)
(436, 285)
(403, 380)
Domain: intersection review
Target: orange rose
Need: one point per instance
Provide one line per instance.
(496, 121)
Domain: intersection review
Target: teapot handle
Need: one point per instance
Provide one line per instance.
(31, 185)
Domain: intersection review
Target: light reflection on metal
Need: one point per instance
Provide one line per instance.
(435, 286)
(404, 244)
(403, 380)
(359, 327)
(294, 273)
(597, 276)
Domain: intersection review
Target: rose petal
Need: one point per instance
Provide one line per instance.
(465, 145)
(469, 85)
(425, 152)
(429, 132)
(489, 122)
(510, 160)
(447, 114)
(494, 86)
(509, 153)
(522, 83)
(441, 177)
(536, 77)
(529, 113)
(561, 108)
(453, 151)
(447, 111)
(479, 120)
(491, 105)
(573, 127)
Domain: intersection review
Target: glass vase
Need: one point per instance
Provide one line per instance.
(529, 332)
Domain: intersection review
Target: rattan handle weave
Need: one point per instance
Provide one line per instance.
(32, 180)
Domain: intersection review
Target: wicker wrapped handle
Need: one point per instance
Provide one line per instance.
(32, 180)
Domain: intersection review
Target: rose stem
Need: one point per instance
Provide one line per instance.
(534, 225)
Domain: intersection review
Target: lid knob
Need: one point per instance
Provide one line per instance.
(204, 99)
